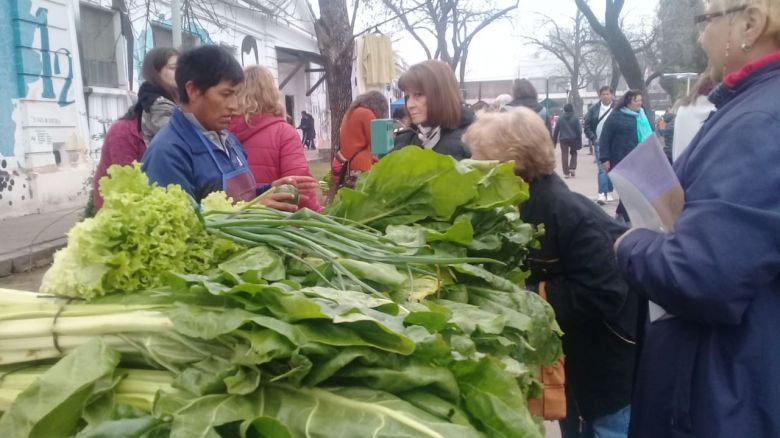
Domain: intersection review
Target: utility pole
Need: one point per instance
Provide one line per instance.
(176, 23)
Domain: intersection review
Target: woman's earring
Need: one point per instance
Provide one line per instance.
(745, 47)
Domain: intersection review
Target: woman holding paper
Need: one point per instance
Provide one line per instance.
(713, 369)
(575, 268)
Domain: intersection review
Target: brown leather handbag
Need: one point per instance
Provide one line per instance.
(552, 404)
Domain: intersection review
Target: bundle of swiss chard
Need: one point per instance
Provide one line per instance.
(408, 324)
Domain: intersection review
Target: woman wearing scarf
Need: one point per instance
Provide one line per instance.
(622, 132)
(158, 95)
(436, 108)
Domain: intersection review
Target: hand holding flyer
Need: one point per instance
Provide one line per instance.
(650, 193)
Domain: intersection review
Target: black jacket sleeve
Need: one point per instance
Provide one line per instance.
(606, 140)
(557, 131)
(591, 122)
(588, 286)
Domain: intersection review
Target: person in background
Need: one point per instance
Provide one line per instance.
(307, 129)
(439, 117)
(667, 132)
(123, 145)
(479, 107)
(622, 132)
(574, 268)
(354, 156)
(158, 94)
(524, 95)
(401, 117)
(594, 123)
(691, 112)
(569, 132)
(195, 150)
(273, 147)
(713, 368)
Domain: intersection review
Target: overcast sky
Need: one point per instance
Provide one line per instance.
(498, 51)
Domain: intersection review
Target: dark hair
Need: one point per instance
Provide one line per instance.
(605, 88)
(523, 88)
(628, 97)
(205, 67)
(373, 100)
(399, 113)
(154, 61)
(435, 80)
(568, 108)
(480, 105)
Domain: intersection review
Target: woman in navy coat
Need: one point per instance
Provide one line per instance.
(713, 368)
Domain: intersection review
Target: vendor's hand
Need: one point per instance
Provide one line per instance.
(279, 201)
(605, 166)
(302, 183)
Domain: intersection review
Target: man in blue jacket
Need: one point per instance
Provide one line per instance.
(195, 150)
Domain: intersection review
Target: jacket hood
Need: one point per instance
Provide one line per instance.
(258, 122)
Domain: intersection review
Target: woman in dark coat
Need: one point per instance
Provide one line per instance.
(575, 267)
(436, 109)
(158, 94)
(713, 369)
(622, 132)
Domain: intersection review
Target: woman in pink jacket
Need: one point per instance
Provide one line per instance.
(273, 147)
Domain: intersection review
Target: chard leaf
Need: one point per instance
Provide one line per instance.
(52, 406)
(460, 232)
(259, 261)
(125, 428)
(381, 273)
(499, 186)
(264, 427)
(494, 398)
(406, 186)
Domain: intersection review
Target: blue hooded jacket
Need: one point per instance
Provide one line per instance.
(177, 156)
(714, 369)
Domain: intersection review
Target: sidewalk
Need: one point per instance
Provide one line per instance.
(28, 242)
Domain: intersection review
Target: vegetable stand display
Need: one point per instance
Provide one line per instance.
(398, 313)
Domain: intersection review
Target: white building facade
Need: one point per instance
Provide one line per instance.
(71, 68)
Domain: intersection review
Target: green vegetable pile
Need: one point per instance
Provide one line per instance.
(350, 325)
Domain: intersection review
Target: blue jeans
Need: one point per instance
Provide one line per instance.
(613, 425)
(605, 185)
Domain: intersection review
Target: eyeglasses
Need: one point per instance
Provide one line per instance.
(701, 21)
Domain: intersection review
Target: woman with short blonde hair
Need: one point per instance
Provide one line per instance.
(273, 147)
(519, 135)
(574, 266)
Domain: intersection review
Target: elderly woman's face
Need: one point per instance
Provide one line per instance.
(417, 106)
(719, 38)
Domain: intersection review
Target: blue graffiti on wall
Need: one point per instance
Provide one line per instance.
(17, 32)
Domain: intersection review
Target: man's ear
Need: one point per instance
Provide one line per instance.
(193, 92)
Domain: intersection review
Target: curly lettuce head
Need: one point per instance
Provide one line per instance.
(142, 232)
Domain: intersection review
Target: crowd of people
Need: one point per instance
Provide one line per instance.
(709, 368)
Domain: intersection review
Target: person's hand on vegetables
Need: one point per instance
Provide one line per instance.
(304, 184)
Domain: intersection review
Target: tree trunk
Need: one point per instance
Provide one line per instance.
(336, 43)
(614, 80)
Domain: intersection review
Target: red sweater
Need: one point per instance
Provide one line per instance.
(123, 145)
(273, 149)
(355, 138)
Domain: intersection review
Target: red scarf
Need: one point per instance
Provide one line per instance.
(733, 79)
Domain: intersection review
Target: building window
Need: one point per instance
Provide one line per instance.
(98, 52)
(163, 37)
